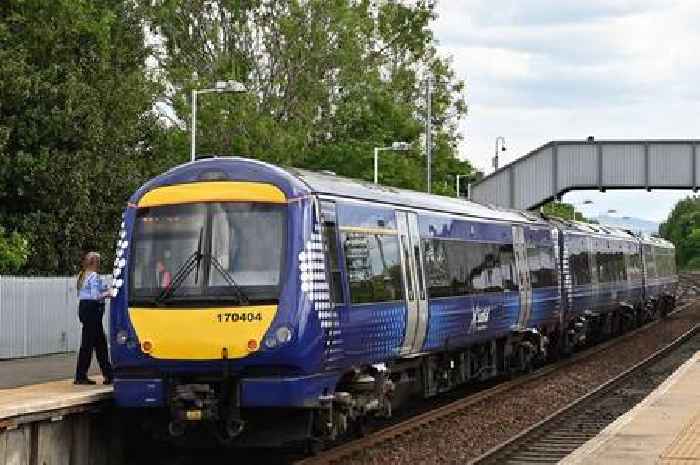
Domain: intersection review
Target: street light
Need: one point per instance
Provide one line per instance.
(429, 81)
(220, 87)
(457, 183)
(395, 146)
(503, 149)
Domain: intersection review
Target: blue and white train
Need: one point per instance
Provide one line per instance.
(279, 305)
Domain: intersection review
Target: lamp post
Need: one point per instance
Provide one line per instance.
(221, 87)
(429, 130)
(396, 146)
(457, 183)
(502, 140)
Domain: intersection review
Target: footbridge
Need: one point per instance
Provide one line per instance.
(558, 167)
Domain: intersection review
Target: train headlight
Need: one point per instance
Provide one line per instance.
(280, 337)
(283, 335)
(271, 342)
(122, 337)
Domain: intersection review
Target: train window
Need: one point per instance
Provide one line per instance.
(580, 267)
(419, 271)
(373, 266)
(634, 266)
(509, 273)
(247, 247)
(611, 266)
(456, 268)
(665, 262)
(649, 261)
(540, 260)
(437, 272)
(336, 285)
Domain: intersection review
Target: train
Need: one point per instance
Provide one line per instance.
(271, 306)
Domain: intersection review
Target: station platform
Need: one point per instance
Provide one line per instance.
(49, 397)
(662, 429)
(41, 369)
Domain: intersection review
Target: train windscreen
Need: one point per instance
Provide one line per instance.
(232, 252)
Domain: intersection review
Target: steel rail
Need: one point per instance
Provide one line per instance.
(413, 424)
(508, 449)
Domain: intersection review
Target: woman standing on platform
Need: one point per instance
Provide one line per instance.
(92, 293)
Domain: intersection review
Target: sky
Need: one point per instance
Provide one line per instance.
(538, 70)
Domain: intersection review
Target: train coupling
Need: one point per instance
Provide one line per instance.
(189, 404)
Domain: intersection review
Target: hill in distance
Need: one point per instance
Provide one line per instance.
(627, 222)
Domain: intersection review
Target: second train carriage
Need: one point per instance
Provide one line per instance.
(243, 290)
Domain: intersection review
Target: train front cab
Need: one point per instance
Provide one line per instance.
(215, 283)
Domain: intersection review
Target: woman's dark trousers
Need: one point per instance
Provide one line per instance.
(93, 338)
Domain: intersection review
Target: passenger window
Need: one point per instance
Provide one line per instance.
(649, 261)
(419, 271)
(336, 284)
(509, 272)
(407, 261)
(543, 271)
(580, 267)
(455, 268)
(373, 266)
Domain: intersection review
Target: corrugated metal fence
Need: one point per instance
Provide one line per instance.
(38, 316)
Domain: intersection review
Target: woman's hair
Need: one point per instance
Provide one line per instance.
(88, 260)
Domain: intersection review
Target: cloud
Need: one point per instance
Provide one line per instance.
(542, 70)
(546, 12)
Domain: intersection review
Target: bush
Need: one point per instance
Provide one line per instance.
(14, 250)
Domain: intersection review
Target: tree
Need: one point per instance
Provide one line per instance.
(682, 227)
(14, 250)
(327, 82)
(565, 211)
(76, 127)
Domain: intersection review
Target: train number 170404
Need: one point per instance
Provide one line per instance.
(236, 317)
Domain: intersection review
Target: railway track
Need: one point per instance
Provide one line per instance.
(558, 435)
(413, 425)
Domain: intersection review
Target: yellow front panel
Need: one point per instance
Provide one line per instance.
(213, 191)
(202, 333)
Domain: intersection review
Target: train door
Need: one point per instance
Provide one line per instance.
(414, 282)
(524, 284)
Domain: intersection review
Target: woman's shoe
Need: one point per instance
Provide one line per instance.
(84, 381)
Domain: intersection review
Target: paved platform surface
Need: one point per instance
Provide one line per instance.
(662, 429)
(35, 370)
(49, 396)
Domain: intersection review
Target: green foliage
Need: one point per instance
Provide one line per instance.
(327, 82)
(683, 229)
(14, 250)
(563, 210)
(76, 129)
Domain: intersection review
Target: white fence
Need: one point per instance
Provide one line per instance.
(38, 316)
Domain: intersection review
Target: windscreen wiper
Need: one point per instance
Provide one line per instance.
(191, 263)
(242, 298)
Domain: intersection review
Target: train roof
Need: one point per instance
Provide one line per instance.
(338, 186)
(599, 229)
(657, 241)
(298, 182)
